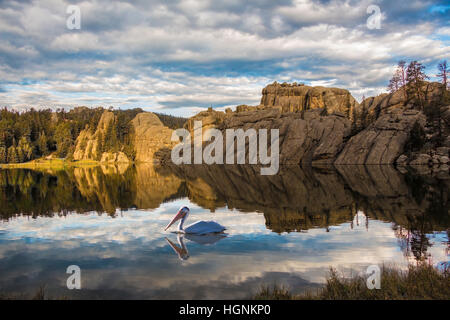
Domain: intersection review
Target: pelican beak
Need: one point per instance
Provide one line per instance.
(180, 214)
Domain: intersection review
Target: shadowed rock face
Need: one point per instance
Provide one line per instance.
(383, 141)
(305, 137)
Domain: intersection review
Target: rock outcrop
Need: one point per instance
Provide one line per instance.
(308, 137)
(209, 119)
(295, 97)
(150, 135)
(316, 128)
(400, 100)
(87, 145)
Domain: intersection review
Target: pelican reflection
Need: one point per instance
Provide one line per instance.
(181, 249)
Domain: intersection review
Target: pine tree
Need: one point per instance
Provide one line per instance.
(401, 70)
(443, 72)
(3, 155)
(394, 83)
(64, 140)
(42, 144)
(415, 77)
(24, 149)
(398, 80)
(20, 154)
(13, 157)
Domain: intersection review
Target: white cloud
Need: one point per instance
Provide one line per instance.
(195, 53)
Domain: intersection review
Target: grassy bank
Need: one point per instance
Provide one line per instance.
(418, 282)
(49, 164)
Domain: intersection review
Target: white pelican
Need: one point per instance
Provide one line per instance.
(199, 227)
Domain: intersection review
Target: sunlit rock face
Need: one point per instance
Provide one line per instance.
(87, 146)
(294, 97)
(150, 135)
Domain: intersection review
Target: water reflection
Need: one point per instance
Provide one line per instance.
(288, 228)
(181, 249)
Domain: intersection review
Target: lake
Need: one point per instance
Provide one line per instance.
(287, 229)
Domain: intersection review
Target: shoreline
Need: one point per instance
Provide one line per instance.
(50, 164)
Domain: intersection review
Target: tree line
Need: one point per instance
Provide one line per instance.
(34, 134)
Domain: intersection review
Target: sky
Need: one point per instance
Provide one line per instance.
(180, 57)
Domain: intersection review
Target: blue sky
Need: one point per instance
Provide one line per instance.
(179, 57)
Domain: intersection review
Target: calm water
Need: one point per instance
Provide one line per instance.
(286, 229)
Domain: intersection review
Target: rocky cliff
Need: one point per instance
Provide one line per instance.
(402, 99)
(383, 141)
(326, 125)
(309, 137)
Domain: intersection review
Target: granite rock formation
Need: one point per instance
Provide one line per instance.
(309, 137)
(298, 97)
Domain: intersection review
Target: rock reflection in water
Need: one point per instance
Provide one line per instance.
(296, 199)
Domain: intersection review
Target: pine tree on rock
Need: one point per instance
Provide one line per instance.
(443, 72)
(415, 77)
